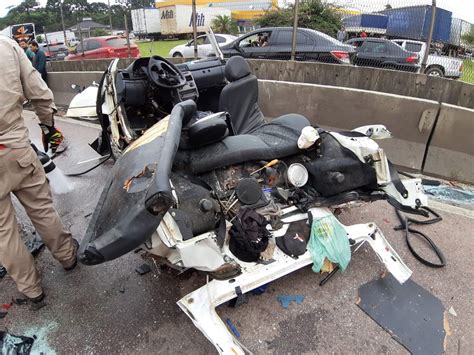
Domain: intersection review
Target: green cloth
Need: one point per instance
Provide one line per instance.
(329, 240)
(30, 54)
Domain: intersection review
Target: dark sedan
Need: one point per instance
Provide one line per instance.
(275, 43)
(382, 53)
(55, 52)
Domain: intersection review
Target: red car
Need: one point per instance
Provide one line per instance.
(103, 48)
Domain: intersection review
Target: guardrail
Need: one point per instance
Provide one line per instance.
(430, 137)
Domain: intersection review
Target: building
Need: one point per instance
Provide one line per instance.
(86, 27)
(243, 11)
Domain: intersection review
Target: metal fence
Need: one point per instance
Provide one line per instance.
(419, 36)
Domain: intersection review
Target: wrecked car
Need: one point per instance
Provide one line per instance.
(202, 181)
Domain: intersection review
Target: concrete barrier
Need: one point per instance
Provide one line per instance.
(343, 108)
(381, 80)
(96, 64)
(60, 83)
(451, 149)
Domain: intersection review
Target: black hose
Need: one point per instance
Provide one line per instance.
(107, 157)
(405, 225)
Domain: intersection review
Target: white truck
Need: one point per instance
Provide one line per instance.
(146, 23)
(177, 20)
(57, 37)
(437, 65)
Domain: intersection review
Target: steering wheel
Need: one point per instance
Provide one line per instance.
(165, 74)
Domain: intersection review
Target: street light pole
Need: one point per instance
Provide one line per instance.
(195, 29)
(62, 21)
(295, 28)
(430, 37)
(110, 16)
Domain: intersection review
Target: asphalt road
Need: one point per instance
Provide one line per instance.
(111, 309)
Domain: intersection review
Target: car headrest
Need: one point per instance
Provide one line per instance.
(236, 68)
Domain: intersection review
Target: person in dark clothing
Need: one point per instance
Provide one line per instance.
(39, 62)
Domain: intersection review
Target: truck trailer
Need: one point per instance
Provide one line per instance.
(458, 29)
(414, 22)
(177, 20)
(146, 23)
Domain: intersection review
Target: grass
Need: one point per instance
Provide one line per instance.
(160, 48)
(468, 75)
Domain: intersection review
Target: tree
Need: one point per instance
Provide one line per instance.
(313, 14)
(224, 24)
(469, 37)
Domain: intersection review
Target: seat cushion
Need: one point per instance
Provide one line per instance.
(276, 139)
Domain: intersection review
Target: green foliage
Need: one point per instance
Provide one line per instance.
(100, 32)
(312, 14)
(469, 37)
(224, 24)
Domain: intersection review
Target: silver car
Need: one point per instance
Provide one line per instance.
(204, 46)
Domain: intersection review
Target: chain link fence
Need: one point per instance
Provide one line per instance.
(406, 35)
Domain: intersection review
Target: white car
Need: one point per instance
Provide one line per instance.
(204, 46)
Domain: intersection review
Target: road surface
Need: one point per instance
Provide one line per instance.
(109, 308)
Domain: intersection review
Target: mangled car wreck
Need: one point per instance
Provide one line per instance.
(202, 181)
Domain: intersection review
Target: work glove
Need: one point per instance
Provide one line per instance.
(52, 137)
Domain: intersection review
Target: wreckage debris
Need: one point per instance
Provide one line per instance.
(233, 328)
(143, 269)
(328, 242)
(412, 315)
(286, 300)
(15, 345)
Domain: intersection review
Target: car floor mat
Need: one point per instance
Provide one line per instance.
(412, 315)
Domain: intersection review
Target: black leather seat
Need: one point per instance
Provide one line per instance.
(276, 139)
(240, 97)
(254, 139)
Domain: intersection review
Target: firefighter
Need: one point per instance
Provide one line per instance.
(22, 174)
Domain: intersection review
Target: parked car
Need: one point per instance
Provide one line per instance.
(275, 43)
(203, 44)
(103, 48)
(436, 65)
(382, 53)
(54, 52)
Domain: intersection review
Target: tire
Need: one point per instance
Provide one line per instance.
(435, 71)
(177, 55)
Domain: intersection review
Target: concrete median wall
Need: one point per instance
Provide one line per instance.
(60, 83)
(381, 80)
(451, 149)
(343, 108)
(96, 64)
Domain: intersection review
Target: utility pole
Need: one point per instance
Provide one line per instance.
(430, 37)
(125, 19)
(195, 30)
(295, 28)
(62, 21)
(110, 16)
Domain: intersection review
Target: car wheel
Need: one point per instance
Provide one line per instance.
(177, 55)
(434, 71)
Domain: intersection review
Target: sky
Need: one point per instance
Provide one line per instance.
(463, 9)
